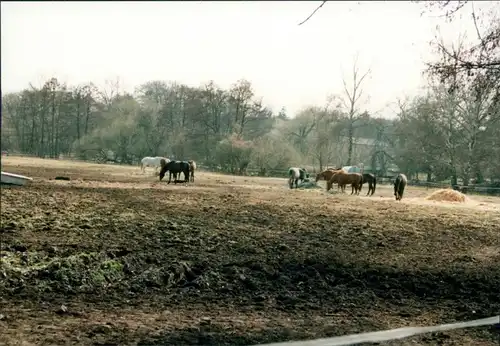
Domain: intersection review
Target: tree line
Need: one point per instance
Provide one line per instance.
(452, 132)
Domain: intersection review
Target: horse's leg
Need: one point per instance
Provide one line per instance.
(169, 177)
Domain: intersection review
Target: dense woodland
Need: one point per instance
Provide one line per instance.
(450, 133)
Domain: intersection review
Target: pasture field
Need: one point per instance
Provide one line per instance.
(115, 257)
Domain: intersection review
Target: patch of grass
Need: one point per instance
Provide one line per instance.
(83, 272)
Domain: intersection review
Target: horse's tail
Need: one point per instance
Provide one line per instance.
(402, 186)
(397, 182)
(291, 177)
(374, 184)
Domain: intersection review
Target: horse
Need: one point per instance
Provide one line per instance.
(295, 174)
(175, 167)
(192, 168)
(399, 186)
(372, 183)
(343, 178)
(327, 174)
(149, 161)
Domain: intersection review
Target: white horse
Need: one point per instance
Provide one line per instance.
(294, 175)
(152, 162)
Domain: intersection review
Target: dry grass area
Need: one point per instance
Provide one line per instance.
(235, 260)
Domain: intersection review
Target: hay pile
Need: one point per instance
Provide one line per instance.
(307, 184)
(447, 195)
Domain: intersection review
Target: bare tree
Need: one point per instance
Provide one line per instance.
(350, 101)
(480, 57)
(109, 92)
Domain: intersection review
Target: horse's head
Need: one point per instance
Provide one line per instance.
(164, 170)
(319, 176)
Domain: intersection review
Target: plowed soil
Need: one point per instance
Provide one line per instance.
(113, 256)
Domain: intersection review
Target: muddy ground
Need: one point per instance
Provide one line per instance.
(114, 257)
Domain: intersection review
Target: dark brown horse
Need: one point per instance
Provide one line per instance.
(192, 168)
(342, 178)
(372, 183)
(399, 186)
(175, 167)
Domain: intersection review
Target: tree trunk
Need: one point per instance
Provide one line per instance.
(350, 135)
(479, 175)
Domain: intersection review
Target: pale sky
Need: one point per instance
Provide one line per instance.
(194, 42)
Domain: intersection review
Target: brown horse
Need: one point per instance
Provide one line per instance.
(327, 174)
(192, 168)
(342, 178)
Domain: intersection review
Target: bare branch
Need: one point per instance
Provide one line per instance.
(474, 18)
(312, 14)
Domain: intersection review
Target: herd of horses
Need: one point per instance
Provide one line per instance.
(342, 178)
(332, 176)
(173, 167)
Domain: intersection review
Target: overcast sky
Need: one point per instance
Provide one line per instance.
(194, 42)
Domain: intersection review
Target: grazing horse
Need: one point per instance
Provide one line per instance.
(192, 168)
(294, 175)
(152, 162)
(327, 174)
(372, 183)
(175, 167)
(342, 178)
(399, 186)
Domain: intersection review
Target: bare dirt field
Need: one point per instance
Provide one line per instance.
(115, 257)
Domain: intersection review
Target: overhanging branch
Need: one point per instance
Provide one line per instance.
(312, 14)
